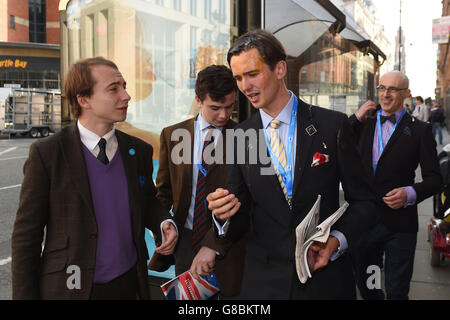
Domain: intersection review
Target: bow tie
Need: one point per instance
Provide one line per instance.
(391, 118)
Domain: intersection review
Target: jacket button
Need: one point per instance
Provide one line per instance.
(93, 236)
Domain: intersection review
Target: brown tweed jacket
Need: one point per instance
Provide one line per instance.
(174, 188)
(56, 196)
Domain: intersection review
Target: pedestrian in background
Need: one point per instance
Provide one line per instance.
(408, 109)
(421, 110)
(392, 145)
(437, 119)
(90, 187)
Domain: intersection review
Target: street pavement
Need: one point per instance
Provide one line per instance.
(428, 283)
(13, 153)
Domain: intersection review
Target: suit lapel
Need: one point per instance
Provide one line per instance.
(221, 148)
(130, 164)
(187, 167)
(304, 142)
(367, 147)
(250, 148)
(406, 120)
(74, 158)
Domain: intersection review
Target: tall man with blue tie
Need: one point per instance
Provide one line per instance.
(90, 188)
(311, 150)
(392, 145)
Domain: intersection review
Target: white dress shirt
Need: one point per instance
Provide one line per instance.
(91, 139)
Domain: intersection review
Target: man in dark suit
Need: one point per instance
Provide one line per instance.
(181, 185)
(90, 187)
(319, 152)
(392, 145)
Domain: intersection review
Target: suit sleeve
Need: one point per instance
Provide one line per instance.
(163, 184)
(429, 165)
(355, 124)
(28, 231)
(361, 214)
(240, 222)
(155, 213)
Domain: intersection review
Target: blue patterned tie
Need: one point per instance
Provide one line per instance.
(199, 227)
(102, 154)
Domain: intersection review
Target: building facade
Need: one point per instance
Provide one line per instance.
(443, 69)
(29, 44)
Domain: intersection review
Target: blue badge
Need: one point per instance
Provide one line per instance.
(132, 152)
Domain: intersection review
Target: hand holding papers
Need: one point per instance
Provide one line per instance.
(309, 231)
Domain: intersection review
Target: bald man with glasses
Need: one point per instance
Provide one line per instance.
(392, 144)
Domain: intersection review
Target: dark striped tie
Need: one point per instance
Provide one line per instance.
(199, 227)
(102, 154)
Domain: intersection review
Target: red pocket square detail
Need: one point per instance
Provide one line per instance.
(320, 158)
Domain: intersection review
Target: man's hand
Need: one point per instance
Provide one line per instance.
(170, 239)
(203, 263)
(223, 204)
(319, 253)
(396, 198)
(361, 114)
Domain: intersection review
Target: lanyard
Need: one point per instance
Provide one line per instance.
(199, 135)
(380, 134)
(286, 175)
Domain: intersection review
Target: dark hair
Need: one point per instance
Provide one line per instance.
(217, 81)
(79, 81)
(419, 98)
(269, 47)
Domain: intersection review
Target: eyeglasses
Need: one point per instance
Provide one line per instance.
(390, 89)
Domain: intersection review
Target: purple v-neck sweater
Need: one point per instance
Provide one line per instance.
(116, 252)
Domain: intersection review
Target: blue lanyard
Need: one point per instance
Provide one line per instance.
(199, 135)
(380, 134)
(286, 176)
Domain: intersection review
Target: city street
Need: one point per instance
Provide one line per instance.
(13, 154)
(428, 283)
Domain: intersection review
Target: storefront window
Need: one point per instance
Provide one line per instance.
(158, 45)
(333, 74)
(29, 72)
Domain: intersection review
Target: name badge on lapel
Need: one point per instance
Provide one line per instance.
(311, 130)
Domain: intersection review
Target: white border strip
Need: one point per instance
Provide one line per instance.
(8, 150)
(5, 261)
(11, 187)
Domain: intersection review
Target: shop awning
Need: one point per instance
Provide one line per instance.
(298, 24)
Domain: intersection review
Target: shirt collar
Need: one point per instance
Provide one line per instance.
(284, 116)
(203, 124)
(90, 139)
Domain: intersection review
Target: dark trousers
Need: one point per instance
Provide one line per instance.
(436, 128)
(124, 287)
(399, 249)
